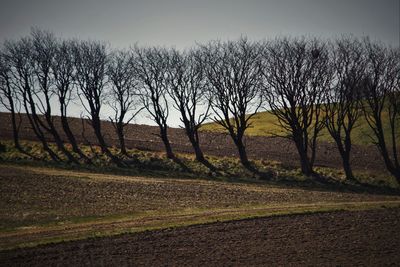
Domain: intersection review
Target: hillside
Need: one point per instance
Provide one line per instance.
(266, 124)
(263, 147)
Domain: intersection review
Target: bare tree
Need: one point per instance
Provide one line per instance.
(9, 98)
(187, 88)
(382, 99)
(152, 70)
(90, 59)
(123, 93)
(43, 56)
(296, 75)
(343, 101)
(233, 70)
(63, 70)
(19, 54)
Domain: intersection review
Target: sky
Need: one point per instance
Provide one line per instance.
(181, 23)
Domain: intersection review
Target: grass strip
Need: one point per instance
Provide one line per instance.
(122, 224)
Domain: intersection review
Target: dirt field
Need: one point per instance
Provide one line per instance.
(364, 158)
(40, 205)
(47, 205)
(30, 195)
(368, 238)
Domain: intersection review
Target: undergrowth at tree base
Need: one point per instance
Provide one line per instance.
(156, 164)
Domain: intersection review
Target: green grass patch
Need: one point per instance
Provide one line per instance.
(266, 124)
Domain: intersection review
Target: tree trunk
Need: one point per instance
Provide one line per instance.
(243, 155)
(72, 140)
(168, 149)
(306, 167)
(347, 168)
(34, 121)
(52, 129)
(301, 146)
(396, 174)
(97, 130)
(385, 155)
(344, 152)
(200, 157)
(194, 140)
(121, 138)
(17, 145)
(389, 165)
(52, 154)
(58, 140)
(164, 138)
(39, 134)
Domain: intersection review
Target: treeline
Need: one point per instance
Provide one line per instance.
(308, 84)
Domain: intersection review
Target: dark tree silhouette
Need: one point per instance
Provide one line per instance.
(343, 101)
(9, 98)
(43, 56)
(90, 59)
(382, 101)
(296, 75)
(187, 88)
(123, 93)
(20, 55)
(233, 70)
(152, 71)
(62, 68)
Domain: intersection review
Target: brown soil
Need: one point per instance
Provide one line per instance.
(35, 195)
(364, 158)
(369, 238)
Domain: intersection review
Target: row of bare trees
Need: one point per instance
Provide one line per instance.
(308, 84)
(313, 84)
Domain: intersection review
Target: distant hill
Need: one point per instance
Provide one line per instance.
(266, 124)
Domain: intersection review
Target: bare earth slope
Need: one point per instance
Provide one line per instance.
(369, 238)
(364, 158)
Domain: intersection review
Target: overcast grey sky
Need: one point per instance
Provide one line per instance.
(181, 23)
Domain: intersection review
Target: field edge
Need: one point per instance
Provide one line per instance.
(45, 235)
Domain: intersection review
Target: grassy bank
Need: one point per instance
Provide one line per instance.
(266, 124)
